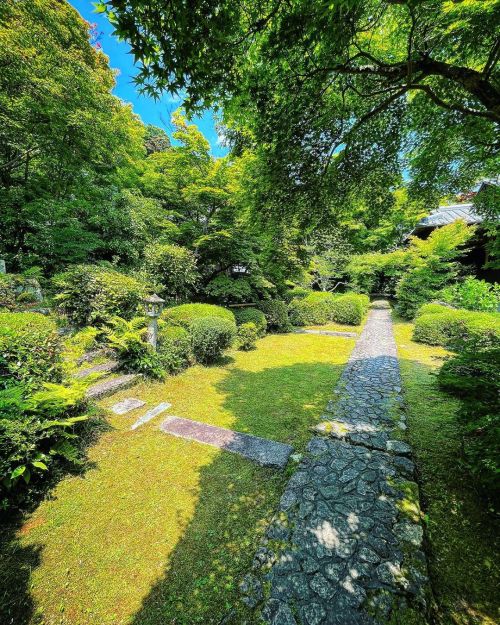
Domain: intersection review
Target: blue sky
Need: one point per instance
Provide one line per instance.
(151, 111)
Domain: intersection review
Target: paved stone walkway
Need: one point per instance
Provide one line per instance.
(345, 547)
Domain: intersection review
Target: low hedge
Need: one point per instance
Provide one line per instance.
(30, 349)
(252, 315)
(276, 313)
(319, 307)
(433, 308)
(91, 294)
(210, 336)
(456, 328)
(185, 314)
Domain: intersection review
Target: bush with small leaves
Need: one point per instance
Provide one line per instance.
(315, 308)
(350, 308)
(174, 267)
(91, 294)
(456, 328)
(473, 294)
(174, 348)
(247, 336)
(252, 315)
(185, 314)
(210, 336)
(276, 313)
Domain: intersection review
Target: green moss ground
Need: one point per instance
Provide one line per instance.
(159, 530)
(461, 534)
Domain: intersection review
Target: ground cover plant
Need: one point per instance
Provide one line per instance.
(461, 531)
(186, 518)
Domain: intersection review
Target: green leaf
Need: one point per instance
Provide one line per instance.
(100, 7)
(40, 465)
(18, 471)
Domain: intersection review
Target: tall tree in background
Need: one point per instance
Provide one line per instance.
(338, 98)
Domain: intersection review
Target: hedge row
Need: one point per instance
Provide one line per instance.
(319, 308)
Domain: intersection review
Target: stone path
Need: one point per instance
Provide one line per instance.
(150, 414)
(111, 385)
(326, 333)
(261, 450)
(345, 547)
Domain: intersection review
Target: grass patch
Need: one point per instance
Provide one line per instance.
(160, 530)
(461, 534)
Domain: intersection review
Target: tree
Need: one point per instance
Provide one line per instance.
(156, 140)
(337, 97)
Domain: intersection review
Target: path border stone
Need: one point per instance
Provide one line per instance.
(327, 333)
(345, 547)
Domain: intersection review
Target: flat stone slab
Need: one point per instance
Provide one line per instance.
(105, 367)
(108, 387)
(327, 333)
(261, 450)
(122, 407)
(150, 414)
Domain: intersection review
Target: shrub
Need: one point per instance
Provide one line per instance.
(37, 430)
(276, 314)
(473, 294)
(29, 349)
(247, 336)
(456, 328)
(350, 308)
(134, 353)
(229, 290)
(297, 292)
(185, 314)
(376, 272)
(92, 294)
(174, 348)
(252, 315)
(432, 308)
(174, 267)
(474, 376)
(210, 336)
(315, 308)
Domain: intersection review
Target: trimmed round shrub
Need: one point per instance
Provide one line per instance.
(174, 267)
(315, 308)
(276, 313)
(298, 292)
(247, 336)
(210, 336)
(185, 314)
(433, 308)
(456, 328)
(174, 348)
(29, 349)
(350, 308)
(90, 294)
(252, 315)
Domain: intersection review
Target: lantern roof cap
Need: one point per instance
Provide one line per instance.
(154, 299)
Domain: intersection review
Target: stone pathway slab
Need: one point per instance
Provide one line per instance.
(261, 450)
(122, 407)
(104, 367)
(111, 385)
(346, 545)
(327, 333)
(150, 414)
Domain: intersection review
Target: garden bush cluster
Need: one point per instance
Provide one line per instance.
(321, 307)
(39, 411)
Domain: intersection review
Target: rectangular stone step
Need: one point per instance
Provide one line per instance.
(105, 367)
(131, 403)
(150, 414)
(112, 385)
(261, 450)
(327, 333)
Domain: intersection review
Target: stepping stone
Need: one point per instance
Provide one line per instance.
(150, 414)
(108, 387)
(327, 333)
(122, 407)
(261, 450)
(105, 367)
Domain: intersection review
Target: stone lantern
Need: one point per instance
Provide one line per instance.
(153, 306)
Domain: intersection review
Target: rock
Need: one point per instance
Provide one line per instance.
(398, 447)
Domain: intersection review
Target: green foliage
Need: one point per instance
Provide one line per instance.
(127, 338)
(18, 289)
(247, 336)
(29, 349)
(473, 294)
(432, 267)
(315, 308)
(210, 336)
(457, 328)
(252, 315)
(89, 294)
(276, 313)
(377, 273)
(297, 292)
(174, 267)
(229, 290)
(37, 430)
(432, 308)
(185, 314)
(174, 348)
(474, 376)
